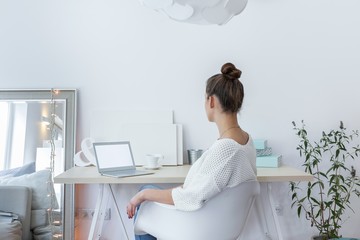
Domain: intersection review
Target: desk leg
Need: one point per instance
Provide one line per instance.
(118, 211)
(260, 213)
(99, 213)
(274, 214)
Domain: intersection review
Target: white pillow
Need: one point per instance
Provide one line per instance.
(39, 218)
(45, 232)
(11, 230)
(41, 185)
(5, 176)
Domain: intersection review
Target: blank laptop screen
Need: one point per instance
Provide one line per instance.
(114, 155)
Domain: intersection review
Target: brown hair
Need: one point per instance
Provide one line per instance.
(227, 87)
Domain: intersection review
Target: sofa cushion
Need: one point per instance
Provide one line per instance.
(11, 230)
(15, 172)
(39, 218)
(41, 184)
(15, 205)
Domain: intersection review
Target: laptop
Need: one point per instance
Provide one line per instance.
(115, 159)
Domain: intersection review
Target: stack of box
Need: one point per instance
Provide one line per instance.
(264, 155)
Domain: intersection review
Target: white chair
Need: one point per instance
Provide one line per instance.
(222, 218)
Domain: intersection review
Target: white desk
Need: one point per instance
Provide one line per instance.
(173, 174)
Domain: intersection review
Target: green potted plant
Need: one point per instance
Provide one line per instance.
(324, 200)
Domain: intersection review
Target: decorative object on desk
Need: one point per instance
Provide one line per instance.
(264, 156)
(194, 154)
(202, 12)
(263, 152)
(268, 161)
(148, 131)
(326, 199)
(153, 161)
(85, 157)
(260, 144)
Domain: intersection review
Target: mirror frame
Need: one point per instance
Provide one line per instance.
(70, 97)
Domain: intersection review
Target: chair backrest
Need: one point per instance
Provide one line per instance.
(222, 217)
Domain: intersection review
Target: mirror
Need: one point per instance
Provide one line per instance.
(38, 128)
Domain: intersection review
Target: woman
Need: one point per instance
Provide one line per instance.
(230, 161)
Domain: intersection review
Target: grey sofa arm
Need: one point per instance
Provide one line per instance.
(17, 199)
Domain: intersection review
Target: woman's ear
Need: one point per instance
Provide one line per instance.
(212, 101)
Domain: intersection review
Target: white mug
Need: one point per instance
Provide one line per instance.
(153, 160)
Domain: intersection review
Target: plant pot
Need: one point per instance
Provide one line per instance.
(326, 238)
(319, 238)
(345, 239)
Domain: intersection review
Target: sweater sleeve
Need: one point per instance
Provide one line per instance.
(193, 197)
(209, 179)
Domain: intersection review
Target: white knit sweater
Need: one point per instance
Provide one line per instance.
(225, 164)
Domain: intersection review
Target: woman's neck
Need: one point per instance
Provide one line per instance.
(226, 123)
(228, 127)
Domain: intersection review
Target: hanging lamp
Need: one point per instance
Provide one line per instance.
(203, 12)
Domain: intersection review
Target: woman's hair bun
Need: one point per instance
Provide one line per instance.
(230, 71)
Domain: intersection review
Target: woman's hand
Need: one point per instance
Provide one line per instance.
(155, 195)
(134, 202)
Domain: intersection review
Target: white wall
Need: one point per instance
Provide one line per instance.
(300, 60)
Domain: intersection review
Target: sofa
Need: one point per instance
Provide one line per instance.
(16, 200)
(27, 196)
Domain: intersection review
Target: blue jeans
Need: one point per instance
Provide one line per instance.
(146, 236)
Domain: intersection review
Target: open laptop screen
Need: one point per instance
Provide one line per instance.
(113, 155)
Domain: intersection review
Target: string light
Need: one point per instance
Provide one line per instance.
(51, 193)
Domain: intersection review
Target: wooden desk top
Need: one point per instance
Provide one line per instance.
(172, 174)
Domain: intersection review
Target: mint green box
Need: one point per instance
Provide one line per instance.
(273, 161)
(260, 144)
